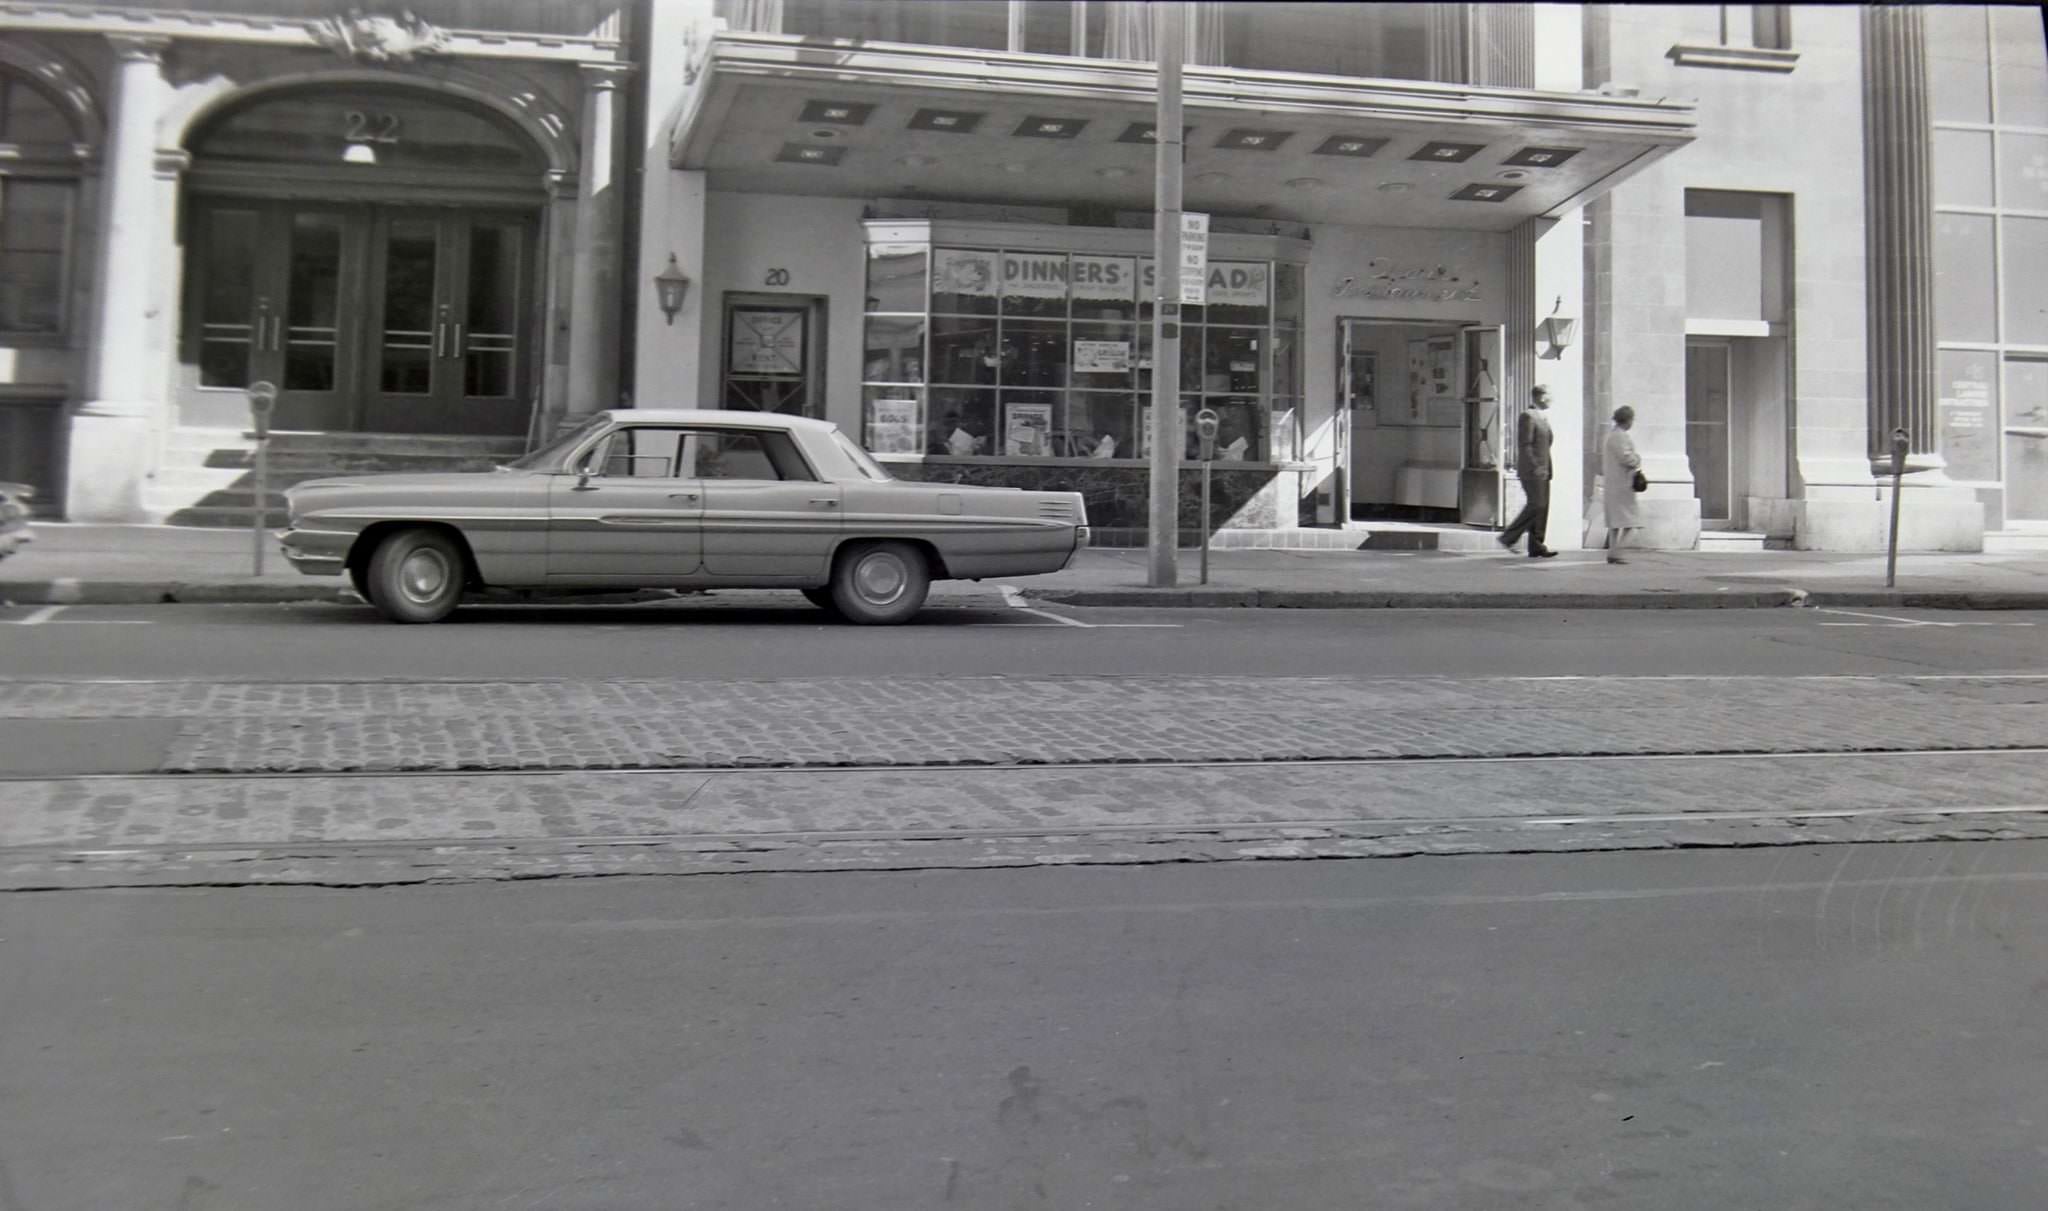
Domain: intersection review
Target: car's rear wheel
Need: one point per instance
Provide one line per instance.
(415, 576)
(822, 598)
(880, 583)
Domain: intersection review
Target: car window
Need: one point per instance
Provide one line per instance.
(747, 454)
(642, 452)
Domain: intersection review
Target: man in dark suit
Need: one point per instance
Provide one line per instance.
(1532, 467)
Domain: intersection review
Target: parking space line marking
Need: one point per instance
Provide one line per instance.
(37, 618)
(1014, 598)
(1911, 622)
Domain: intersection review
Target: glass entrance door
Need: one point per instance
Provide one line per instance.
(367, 318)
(1490, 421)
(449, 299)
(275, 290)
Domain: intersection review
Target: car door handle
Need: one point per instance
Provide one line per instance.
(684, 495)
(827, 501)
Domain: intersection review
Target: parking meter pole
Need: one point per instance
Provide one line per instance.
(1166, 426)
(262, 398)
(1891, 558)
(1205, 430)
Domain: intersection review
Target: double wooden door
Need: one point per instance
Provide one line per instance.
(368, 318)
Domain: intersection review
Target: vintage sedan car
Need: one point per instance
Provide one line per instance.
(14, 511)
(642, 498)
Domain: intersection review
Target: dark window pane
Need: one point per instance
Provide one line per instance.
(896, 277)
(963, 421)
(35, 220)
(963, 350)
(895, 350)
(313, 303)
(1100, 424)
(368, 127)
(1240, 428)
(1034, 354)
(1231, 359)
(27, 116)
(490, 341)
(227, 297)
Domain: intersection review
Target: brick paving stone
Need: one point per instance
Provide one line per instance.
(336, 727)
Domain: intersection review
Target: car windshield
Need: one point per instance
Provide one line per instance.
(548, 457)
(862, 460)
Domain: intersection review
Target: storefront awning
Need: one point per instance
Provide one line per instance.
(776, 114)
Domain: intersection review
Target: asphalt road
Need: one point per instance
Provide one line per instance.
(1792, 1028)
(761, 635)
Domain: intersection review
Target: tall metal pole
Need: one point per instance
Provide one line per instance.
(1169, 32)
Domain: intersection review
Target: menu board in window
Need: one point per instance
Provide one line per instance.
(1027, 429)
(893, 426)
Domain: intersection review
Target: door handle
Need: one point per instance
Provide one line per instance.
(276, 332)
(441, 339)
(684, 495)
(455, 346)
(830, 502)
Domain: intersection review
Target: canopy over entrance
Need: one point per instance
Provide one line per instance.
(775, 114)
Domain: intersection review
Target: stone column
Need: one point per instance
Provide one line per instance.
(1898, 144)
(594, 285)
(110, 431)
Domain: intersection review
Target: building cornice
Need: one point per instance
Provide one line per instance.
(124, 21)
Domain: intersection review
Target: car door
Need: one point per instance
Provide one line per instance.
(768, 518)
(625, 515)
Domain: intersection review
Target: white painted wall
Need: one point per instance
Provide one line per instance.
(822, 246)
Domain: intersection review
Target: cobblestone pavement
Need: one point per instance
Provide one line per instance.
(410, 828)
(374, 726)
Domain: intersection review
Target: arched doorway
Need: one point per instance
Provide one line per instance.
(373, 251)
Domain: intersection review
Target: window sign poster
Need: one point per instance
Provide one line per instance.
(1969, 438)
(893, 426)
(767, 341)
(1105, 279)
(1102, 357)
(1035, 275)
(1027, 429)
(1237, 284)
(964, 271)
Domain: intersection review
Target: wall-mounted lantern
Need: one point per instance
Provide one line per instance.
(672, 285)
(1559, 329)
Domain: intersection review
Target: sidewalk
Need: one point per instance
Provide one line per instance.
(86, 564)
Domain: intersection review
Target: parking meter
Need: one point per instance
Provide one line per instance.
(1891, 557)
(1899, 444)
(1205, 430)
(262, 400)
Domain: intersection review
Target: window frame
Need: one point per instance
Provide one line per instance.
(56, 164)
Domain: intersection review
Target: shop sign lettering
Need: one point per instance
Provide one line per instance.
(1231, 283)
(1388, 279)
(1105, 279)
(1035, 275)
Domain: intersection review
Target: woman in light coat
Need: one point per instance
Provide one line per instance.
(1618, 465)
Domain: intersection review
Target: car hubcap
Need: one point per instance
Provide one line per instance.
(880, 578)
(423, 575)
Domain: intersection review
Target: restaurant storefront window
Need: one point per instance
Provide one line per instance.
(1020, 354)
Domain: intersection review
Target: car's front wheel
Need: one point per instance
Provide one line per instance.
(879, 583)
(415, 576)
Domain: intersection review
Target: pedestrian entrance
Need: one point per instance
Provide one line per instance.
(369, 318)
(1422, 430)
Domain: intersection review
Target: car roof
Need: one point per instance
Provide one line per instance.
(716, 416)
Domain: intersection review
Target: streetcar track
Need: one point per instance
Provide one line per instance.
(968, 765)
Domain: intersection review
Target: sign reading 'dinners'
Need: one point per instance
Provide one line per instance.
(1086, 277)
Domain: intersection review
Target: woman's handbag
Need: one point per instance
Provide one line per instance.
(1641, 482)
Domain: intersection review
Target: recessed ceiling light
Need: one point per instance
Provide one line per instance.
(1395, 187)
(1512, 174)
(1305, 182)
(822, 133)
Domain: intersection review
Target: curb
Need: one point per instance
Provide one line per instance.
(168, 592)
(1353, 599)
(1937, 599)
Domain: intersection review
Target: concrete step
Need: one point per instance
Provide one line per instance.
(1731, 540)
(2007, 541)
